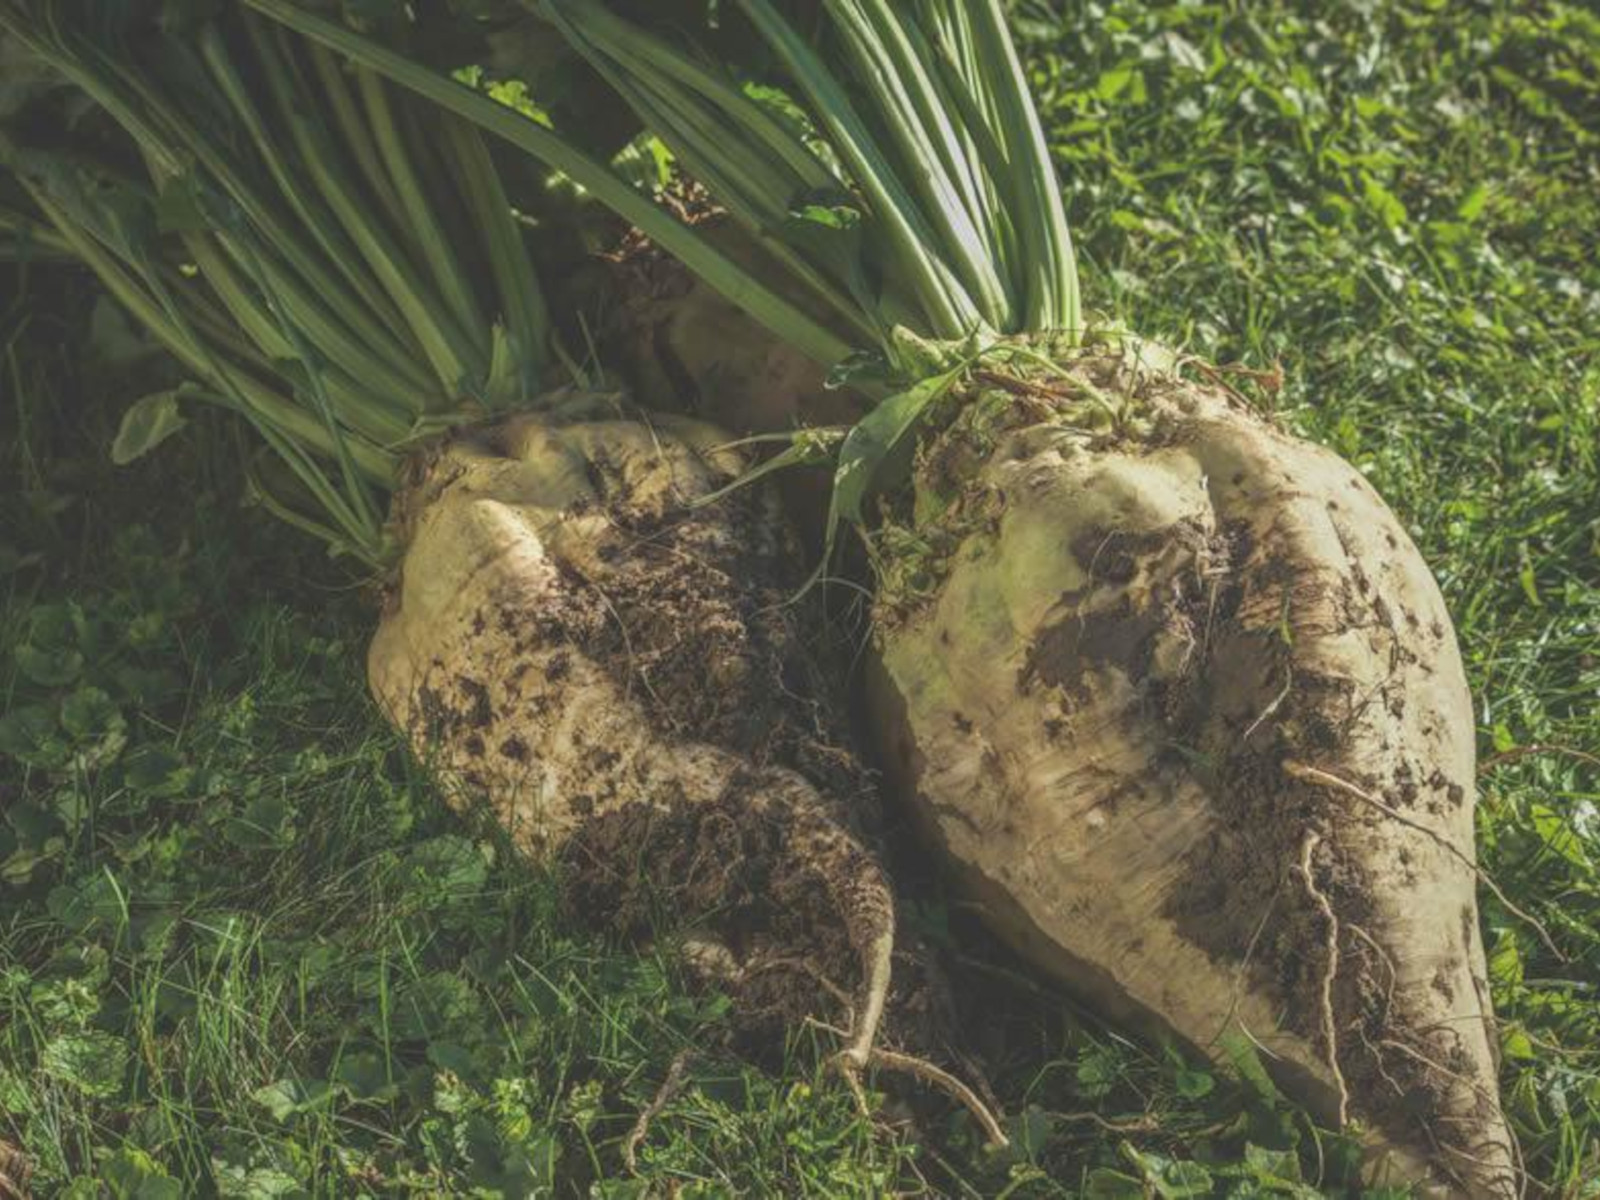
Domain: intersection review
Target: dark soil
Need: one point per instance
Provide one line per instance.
(776, 886)
(699, 612)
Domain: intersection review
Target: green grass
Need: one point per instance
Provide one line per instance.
(244, 948)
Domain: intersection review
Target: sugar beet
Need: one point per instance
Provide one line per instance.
(615, 674)
(1181, 703)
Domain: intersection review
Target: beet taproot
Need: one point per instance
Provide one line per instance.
(611, 670)
(1181, 704)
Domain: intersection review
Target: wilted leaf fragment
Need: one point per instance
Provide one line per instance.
(148, 422)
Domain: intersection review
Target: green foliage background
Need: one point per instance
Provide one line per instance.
(244, 950)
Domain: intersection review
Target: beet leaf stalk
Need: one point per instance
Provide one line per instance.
(330, 259)
(914, 190)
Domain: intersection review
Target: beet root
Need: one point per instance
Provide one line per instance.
(1181, 703)
(615, 676)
